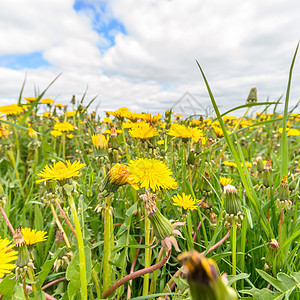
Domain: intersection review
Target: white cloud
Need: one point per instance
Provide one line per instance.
(238, 44)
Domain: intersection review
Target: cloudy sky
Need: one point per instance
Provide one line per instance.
(141, 54)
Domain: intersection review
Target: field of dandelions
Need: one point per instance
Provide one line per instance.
(143, 206)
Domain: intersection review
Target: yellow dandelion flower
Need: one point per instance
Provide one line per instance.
(59, 105)
(32, 236)
(151, 173)
(151, 118)
(290, 132)
(225, 181)
(32, 133)
(132, 116)
(7, 255)
(56, 133)
(30, 99)
(64, 126)
(229, 163)
(71, 114)
(4, 132)
(46, 114)
(119, 174)
(107, 120)
(70, 136)
(12, 109)
(60, 171)
(178, 116)
(47, 101)
(120, 113)
(99, 141)
(161, 142)
(143, 131)
(185, 201)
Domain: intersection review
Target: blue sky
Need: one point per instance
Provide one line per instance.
(142, 54)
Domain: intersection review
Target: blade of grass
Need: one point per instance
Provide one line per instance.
(284, 142)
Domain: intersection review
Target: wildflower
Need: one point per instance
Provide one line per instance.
(55, 133)
(71, 114)
(30, 99)
(178, 116)
(143, 131)
(99, 141)
(186, 133)
(64, 126)
(232, 206)
(152, 119)
(119, 114)
(268, 174)
(70, 136)
(47, 101)
(151, 173)
(185, 201)
(225, 181)
(31, 132)
(252, 97)
(229, 163)
(160, 142)
(133, 117)
(59, 105)
(32, 236)
(23, 254)
(7, 255)
(46, 114)
(60, 171)
(12, 109)
(3, 132)
(284, 195)
(204, 279)
(162, 227)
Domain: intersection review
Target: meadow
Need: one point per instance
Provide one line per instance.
(143, 206)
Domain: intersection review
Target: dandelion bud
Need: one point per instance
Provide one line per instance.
(267, 175)
(20, 245)
(260, 163)
(232, 206)
(204, 279)
(274, 247)
(206, 184)
(113, 138)
(252, 97)
(191, 157)
(283, 201)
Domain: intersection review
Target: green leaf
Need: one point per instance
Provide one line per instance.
(234, 278)
(7, 285)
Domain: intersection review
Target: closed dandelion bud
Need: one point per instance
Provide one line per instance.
(20, 245)
(162, 227)
(260, 163)
(252, 97)
(274, 247)
(206, 183)
(232, 206)
(204, 278)
(268, 174)
(284, 192)
(191, 157)
(254, 167)
(3, 197)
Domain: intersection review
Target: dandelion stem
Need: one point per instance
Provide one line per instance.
(24, 286)
(147, 256)
(60, 226)
(31, 276)
(96, 282)
(65, 217)
(7, 221)
(107, 245)
(136, 274)
(82, 268)
(233, 249)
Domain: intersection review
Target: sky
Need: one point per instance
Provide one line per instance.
(142, 54)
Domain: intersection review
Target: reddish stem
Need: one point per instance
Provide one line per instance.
(132, 268)
(65, 217)
(136, 274)
(7, 221)
(53, 282)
